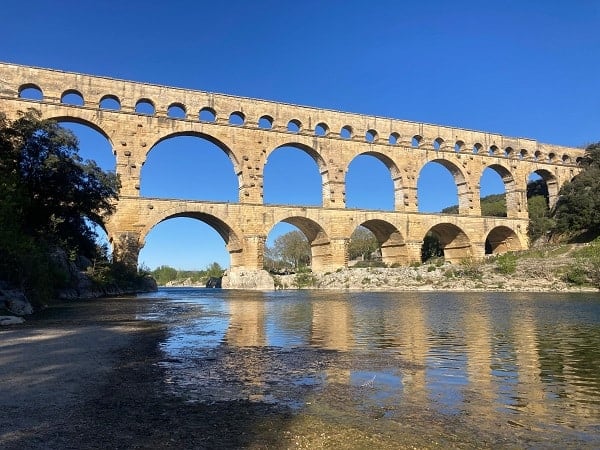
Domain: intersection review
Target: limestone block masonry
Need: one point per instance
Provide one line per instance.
(134, 117)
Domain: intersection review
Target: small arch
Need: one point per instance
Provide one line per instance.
(509, 152)
(452, 240)
(393, 139)
(207, 114)
(477, 148)
(579, 160)
(390, 240)
(176, 111)
(493, 150)
(551, 157)
(30, 91)
(237, 118)
(566, 159)
(416, 141)
(523, 154)
(459, 146)
(371, 136)
(145, 106)
(551, 189)
(437, 143)
(72, 97)
(110, 102)
(294, 126)
(537, 155)
(346, 132)
(502, 239)
(265, 122)
(321, 129)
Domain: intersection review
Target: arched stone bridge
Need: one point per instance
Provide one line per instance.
(135, 117)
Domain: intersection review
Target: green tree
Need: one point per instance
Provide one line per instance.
(362, 243)
(46, 193)
(214, 270)
(577, 210)
(432, 247)
(292, 248)
(164, 274)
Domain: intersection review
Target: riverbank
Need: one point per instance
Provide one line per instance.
(88, 374)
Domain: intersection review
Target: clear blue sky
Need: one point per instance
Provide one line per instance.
(527, 69)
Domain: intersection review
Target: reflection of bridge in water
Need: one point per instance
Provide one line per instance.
(434, 349)
(135, 117)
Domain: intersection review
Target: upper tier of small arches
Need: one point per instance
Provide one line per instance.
(181, 104)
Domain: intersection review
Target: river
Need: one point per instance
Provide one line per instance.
(496, 368)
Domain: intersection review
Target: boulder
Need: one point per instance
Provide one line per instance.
(15, 302)
(259, 280)
(10, 320)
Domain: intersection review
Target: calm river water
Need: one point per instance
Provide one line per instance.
(521, 369)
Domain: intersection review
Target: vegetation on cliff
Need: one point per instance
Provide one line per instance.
(49, 198)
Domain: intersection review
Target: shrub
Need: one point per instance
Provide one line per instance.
(506, 263)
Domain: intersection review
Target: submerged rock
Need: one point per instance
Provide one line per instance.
(10, 320)
(15, 302)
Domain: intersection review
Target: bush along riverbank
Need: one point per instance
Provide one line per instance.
(552, 268)
(74, 279)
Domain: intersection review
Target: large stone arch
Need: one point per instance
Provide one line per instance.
(202, 136)
(88, 122)
(316, 157)
(317, 238)
(391, 241)
(232, 239)
(454, 241)
(462, 186)
(502, 239)
(395, 174)
(512, 194)
(551, 183)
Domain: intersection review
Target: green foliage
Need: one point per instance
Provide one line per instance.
(506, 263)
(576, 274)
(539, 221)
(362, 244)
(494, 205)
(578, 206)
(289, 250)
(165, 274)
(363, 264)
(47, 193)
(304, 279)
(432, 247)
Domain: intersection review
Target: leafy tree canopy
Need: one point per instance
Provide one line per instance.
(291, 248)
(362, 243)
(48, 193)
(578, 207)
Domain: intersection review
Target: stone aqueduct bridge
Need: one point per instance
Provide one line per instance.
(248, 130)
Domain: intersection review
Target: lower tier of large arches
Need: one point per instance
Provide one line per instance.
(244, 230)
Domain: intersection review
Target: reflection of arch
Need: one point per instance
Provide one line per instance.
(459, 180)
(317, 238)
(502, 239)
(316, 157)
(551, 184)
(230, 236)
(391, 242)
(395, 174)
(510, 193)
(453, 240)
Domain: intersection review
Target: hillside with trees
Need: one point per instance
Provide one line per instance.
(49, 198)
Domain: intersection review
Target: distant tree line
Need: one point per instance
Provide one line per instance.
(165, 274)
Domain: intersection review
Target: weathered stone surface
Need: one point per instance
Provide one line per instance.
(10, 320)
(15, 302)
(403, 146)
(248, 279)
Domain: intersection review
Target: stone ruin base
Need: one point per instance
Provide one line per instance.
(259, 280)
